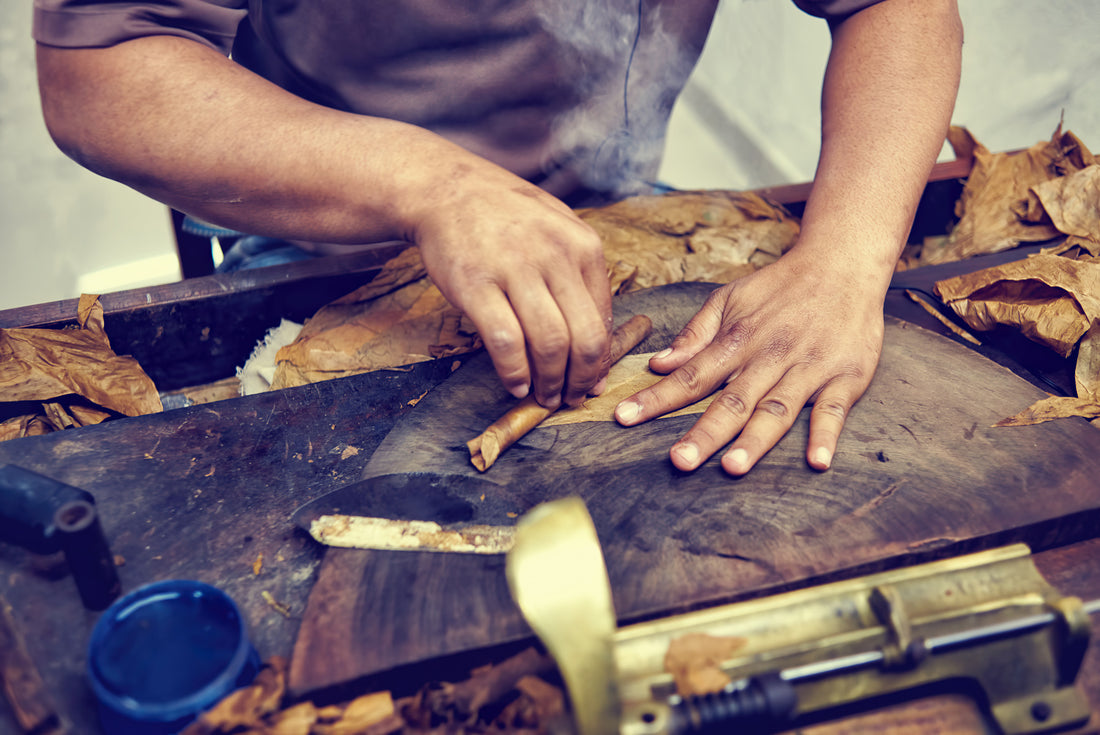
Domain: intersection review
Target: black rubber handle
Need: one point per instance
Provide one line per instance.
(763, 704)
(28, 504)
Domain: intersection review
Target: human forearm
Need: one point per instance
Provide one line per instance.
(186, 126)
(887, 98)
(181, 123)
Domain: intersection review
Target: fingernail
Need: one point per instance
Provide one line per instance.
(520, 391)
(627, 411)
(738, 460)
(689, 453)
(823, 456)
(599, 387)
(552, 403)
(663, 354)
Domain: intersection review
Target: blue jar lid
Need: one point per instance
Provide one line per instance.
(164, 653)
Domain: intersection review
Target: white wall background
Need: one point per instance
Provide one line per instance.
(749, 118)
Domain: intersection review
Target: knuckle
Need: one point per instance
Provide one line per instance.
(588, 242)
(502, 340)
(832, 407)
(550, 345)
(732, 402)
(590, 349)
(688, 335)
(689, 378)
(705, 434)
(776, 407)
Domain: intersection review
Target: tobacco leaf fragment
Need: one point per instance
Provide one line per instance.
(1054, 407)
(73, 373)
(997, 209)
(694, 661)
(1052, 300)
(246, 707)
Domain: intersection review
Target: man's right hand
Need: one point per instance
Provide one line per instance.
(528, 272)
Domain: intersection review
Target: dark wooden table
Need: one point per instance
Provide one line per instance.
(206, 492)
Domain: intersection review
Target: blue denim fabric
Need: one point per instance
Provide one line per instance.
(255, 251)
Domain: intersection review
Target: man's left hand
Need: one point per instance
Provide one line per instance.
(789, 334)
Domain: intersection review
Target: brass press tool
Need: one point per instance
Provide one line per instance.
(986, 624)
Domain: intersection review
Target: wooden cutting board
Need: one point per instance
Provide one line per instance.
(919, 473)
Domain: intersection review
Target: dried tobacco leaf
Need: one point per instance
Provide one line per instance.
(1054, 407)
(997, 210)
(73, 373)
(400, 317)
(245, 707)
(694, 660)
(1053, 300)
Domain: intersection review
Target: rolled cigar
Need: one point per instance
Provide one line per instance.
(528, 413)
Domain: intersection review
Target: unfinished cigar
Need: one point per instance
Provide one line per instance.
(528, 413)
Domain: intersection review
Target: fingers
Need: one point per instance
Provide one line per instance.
(700, 372)
(566, 342)
(587, 310)
(758, 423)
(775, 415)
(755, 409)
(536, 287)
(826, 421)
(503, 337)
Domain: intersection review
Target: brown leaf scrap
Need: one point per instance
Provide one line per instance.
(694, 660)
(997, 209)
(246, 707)
(400, 317)
(1054, 301)
(73, 373)
(1072, 204)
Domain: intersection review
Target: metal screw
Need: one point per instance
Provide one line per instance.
(1041, 711)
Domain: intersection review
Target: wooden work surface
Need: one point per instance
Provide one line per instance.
(203, 492)
(919, 473)
(206, 492)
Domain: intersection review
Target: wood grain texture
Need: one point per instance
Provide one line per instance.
(918, 474)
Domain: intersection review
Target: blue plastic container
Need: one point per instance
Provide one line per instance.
(164, 653)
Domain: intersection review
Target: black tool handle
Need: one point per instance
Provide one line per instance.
(28, 503)
(762, 704)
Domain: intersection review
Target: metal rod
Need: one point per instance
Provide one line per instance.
(934, 644)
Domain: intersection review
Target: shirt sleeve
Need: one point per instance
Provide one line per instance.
(101, 23)
(832, 9)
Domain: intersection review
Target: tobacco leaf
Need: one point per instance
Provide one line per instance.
(362, 714)
(1054, 407)
(997, 209)
(245, 707)
(1053, 300)
(694, 661)
(626, 377)
(1072, 204)
(400, 317)
(73, 373)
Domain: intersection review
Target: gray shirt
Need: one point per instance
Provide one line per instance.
(574, 96)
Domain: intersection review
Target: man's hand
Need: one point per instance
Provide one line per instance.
(525, 269)
(809, 327)
(529, 273)
(789, 334)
